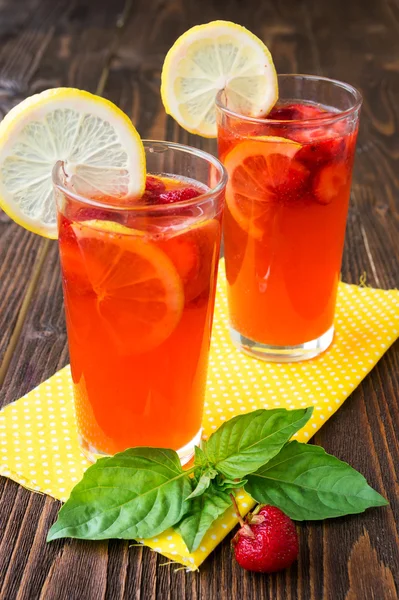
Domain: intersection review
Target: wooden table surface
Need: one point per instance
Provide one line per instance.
(116, 48)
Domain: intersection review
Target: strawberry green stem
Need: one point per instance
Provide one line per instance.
(234, 501)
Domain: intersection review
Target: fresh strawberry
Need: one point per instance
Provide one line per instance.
(283, 113)
(292, 112)
(193, 254)
(296, 112)
(154, 184)
(329, 182)
(324, 143)
(153, 188)
(293, 185)
(285, 179)
(333, 149)
(178, 195)
(323, 151)
(267, 542)
(170, 196)
(320, 144)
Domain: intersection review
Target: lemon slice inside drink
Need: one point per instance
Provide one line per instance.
(102, 152)
(217, 56)
(136, 285)
(257, 168)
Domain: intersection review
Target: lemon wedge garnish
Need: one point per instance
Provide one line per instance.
(217, 56)
(102, 152)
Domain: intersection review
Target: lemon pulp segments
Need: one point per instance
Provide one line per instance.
(209, 58)
(101, 149)
(139, 293)
(251, 170)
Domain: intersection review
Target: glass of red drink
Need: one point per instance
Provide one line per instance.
(286, 208)
(139, 283)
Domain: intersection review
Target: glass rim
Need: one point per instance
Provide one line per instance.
(357, 102)
(58, 171)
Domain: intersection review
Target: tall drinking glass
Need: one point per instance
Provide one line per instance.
(286, 208)
(139, 287)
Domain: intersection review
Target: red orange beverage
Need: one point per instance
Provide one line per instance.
(286, 208)
(139, 286)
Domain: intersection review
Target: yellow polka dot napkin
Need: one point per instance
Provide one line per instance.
(38, 441)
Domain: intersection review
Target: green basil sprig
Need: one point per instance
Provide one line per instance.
(142, 492)
(307, 484)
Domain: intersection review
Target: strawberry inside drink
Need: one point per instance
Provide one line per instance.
(286, 207)
(139, 289)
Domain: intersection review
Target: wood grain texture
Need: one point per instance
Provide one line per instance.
(74, 43)
(367, 575)
(26, 30)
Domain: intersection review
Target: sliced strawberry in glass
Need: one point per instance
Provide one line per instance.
(193, 255)
(293, 185)
(329, 182)
(322, 144)
(178, 195)
(154, 184)
(296, 112)
(321, 150)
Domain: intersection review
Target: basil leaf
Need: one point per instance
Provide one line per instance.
(203, 512)
(200, 459)
(135, 494)
(307, 483)
(245, 443)
(230, 484)
(203, 483)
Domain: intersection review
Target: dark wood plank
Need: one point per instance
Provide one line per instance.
(76, 56)
(26, 32)
(343, 559)
(19, 253)
(360, 54)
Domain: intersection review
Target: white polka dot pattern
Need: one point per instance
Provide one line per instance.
(38, 443)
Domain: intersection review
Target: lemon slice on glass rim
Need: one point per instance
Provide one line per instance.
(217, 56)
(102, 152)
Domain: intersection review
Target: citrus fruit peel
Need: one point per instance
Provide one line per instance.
(209, 58)
(258, 172)
(139, 293)
(101, 150)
